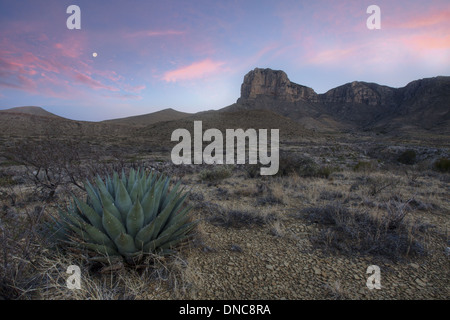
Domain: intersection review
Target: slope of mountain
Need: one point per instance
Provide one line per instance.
(255, 119)
(269, 100)
(31, 110)
(422, 104)
(150, 118)
(35, 121)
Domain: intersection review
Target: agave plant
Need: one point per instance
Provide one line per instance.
(129, 216)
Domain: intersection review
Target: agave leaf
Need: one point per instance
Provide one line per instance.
(136, 191)
(135, 219)
(150, 182)
(131, 180)
(175, 211)
(98, 236)
(73, 218)
(102, 188)
(123, 201)
(150, 231)
(89, 213)
(125, 243)
(109, 205)
(109, 185)
(93, 197)
(123, 178)
(94, 234)
(102, 249)
(112, 225)
(169, 197)
(150, 204)
(178, 236)
(73, 224)
(166, 235)
(177, 219)
(164, 194)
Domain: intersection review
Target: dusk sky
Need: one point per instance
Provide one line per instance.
(192, 55)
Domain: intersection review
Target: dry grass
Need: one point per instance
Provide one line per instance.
(349, 207)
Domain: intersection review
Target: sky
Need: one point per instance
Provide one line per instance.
(193, 55)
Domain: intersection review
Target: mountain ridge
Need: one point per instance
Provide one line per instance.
(422, 104)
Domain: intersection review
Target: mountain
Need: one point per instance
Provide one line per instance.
(421, 105)
(150, 118)
(269, 100)
(32, 111)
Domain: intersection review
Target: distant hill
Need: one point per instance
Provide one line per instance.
(150, 118)
(268, 100)
(31, 110)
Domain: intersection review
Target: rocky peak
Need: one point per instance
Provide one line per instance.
(370, 94)
(274, 84)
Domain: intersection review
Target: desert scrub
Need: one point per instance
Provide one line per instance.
(128, 217)
(302, 166)
(407, 157)
(6, 180)
(217, 173)
(364, 166)
(387, 232)
(442, 165)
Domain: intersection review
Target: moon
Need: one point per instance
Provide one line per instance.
(94, 54)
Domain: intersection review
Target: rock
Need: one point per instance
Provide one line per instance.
(270, 267)
(414, 265)
(420, 282)
(273, 83)
(317, 271)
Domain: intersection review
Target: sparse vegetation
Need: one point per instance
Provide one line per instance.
(442, 165)
(386, 233)
(407, 157)
(269, 229)
(364, 166)
(216, 173)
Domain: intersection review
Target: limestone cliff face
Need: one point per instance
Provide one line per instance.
(423, 103)
(275, 84)
(360, 93)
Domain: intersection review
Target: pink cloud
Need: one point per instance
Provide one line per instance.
(154, 33)
(92, 83)
(428, 42)
(195, 70)
(423, 20)
(134, 89)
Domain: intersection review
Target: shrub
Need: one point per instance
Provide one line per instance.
(407, 157)
(252, 170)
(6, 180)
(303, 166)
(217, 173)
(442, 165)
(237, 219)
(365, 166)
(389, 234)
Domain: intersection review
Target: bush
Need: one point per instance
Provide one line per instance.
(219, 172)
(22, 240)
(407, 157)
(389, 234)
(252, 170)
(302, 166)
(6, 180)
(442, 165)
(364, 166)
